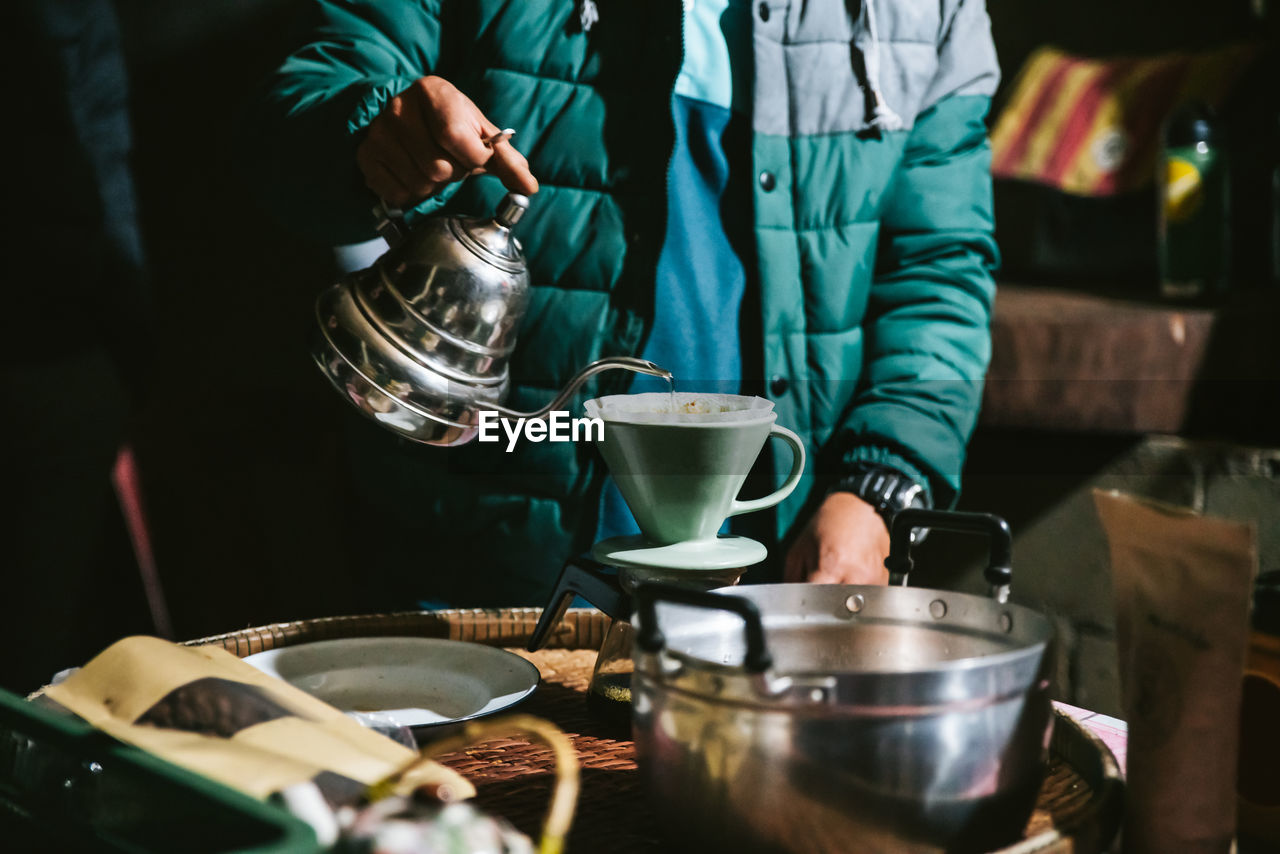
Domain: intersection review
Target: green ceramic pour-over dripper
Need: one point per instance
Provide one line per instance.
(680, 472)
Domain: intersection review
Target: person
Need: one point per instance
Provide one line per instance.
(789, 198)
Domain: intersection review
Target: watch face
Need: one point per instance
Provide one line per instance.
(912, 496)
(896, 492)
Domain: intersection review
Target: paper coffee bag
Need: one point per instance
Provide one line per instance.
(1182, 584)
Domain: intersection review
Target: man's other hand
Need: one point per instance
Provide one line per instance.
(845, 542)
(431, 135)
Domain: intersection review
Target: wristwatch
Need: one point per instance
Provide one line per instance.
(887, 490)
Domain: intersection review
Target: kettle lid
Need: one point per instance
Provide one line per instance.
(492, 239)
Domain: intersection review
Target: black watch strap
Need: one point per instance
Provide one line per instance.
(886, 489)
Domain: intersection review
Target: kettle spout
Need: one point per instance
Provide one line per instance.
(640, 366)
(626, 363)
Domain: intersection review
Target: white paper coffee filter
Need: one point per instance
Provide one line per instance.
(690, 408)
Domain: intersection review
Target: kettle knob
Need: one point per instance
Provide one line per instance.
(511, 209)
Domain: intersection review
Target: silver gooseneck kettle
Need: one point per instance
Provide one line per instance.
(420, 340)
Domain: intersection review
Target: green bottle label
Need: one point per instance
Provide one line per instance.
(1193, 221)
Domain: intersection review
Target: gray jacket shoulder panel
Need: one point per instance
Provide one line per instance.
(817, 61)
(967, 63)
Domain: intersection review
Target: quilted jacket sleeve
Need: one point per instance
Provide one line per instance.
(299, 134)
(928, 322)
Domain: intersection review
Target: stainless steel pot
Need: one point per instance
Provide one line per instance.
(824, 718)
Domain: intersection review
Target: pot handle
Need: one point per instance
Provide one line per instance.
(589, 579)
(650, 638)
(999, 571)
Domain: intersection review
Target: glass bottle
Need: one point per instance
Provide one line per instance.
(1193, 238)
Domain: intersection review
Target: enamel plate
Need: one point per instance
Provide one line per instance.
(415, 682)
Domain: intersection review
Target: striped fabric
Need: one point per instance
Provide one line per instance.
(1091, 127)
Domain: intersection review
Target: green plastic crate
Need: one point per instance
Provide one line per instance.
(64, 786)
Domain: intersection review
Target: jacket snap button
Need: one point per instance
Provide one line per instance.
(764, 11)
(768, 181)
(778, 385)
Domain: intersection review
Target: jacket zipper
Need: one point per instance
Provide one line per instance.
(666, 172)
(662, 221)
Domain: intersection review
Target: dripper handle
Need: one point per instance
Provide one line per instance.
(797, 469)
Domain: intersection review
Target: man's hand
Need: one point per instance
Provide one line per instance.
(845, 542)
(430, 135)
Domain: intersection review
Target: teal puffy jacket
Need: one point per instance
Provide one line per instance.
(873, 247)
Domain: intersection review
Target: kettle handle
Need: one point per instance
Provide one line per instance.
(999, 571)
(389, 223)
(391, 227)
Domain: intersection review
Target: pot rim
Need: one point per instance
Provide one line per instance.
(979, 678)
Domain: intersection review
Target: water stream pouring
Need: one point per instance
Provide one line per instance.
(420, 341)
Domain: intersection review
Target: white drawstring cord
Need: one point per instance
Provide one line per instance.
(883, 115)
(588, 14)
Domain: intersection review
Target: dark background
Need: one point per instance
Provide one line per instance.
(239, 441)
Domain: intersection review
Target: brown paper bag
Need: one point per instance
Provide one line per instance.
(1182, 584)
(208, 711)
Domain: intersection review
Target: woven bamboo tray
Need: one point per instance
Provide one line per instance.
(1078, 810)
